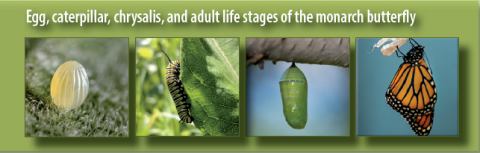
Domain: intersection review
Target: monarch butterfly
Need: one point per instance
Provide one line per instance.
(177, 91)
(412, 92)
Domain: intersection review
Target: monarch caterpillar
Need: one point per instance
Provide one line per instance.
(177, 91)
(412, 92)
(294, 90)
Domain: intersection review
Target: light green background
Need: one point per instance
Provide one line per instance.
(434, 19)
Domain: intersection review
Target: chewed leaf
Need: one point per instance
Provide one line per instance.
(209, 73)
(388, 49)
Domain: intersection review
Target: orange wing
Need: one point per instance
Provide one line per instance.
(422, 124)
(413, 94)
(412, 91)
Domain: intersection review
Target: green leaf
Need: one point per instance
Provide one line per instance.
(209, 73)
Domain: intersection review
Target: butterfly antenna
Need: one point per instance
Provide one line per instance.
(413, 41)
(167, 56)
(410, 40)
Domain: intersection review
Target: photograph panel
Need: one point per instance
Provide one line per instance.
(398, 82)
(76, 87)
(299, 88)
(187, 87)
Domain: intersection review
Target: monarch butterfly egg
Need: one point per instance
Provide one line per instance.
(69, 86)
(294, 89)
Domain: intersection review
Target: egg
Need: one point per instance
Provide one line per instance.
(69, 86)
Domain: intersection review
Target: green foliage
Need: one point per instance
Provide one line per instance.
(156, 114)
(209, 74)
(105, 110)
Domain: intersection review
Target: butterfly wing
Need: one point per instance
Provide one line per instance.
(412, 91)
(413, 94)
(421, 124)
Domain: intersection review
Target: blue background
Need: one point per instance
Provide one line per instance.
(328, 101)
(375, 72)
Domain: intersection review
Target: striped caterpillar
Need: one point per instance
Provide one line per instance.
(177, 91)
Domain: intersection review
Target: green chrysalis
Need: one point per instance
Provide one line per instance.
(294, 89)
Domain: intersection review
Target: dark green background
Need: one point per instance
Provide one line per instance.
(434, 19)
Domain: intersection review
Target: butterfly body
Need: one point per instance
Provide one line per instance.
(412, 92)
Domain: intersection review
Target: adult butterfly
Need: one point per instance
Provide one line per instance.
(412, 92)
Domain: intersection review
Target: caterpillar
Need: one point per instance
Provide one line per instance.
(177, 91)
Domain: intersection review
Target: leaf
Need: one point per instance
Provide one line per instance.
(209, 73)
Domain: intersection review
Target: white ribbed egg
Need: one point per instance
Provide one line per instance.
(69, 86)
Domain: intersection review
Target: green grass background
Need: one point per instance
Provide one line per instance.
(434, 19)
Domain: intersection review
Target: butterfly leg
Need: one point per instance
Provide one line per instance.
(398, 50)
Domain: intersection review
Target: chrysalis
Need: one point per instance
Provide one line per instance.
(388, 49)
(69, 86)
(294, 89)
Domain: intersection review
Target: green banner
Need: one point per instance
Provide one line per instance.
(207, 19)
